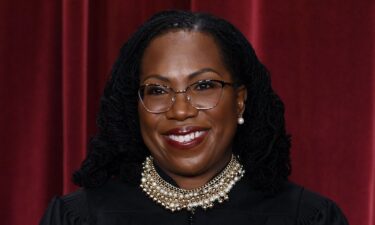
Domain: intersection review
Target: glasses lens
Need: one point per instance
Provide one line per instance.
(205, 94)
(155, 98)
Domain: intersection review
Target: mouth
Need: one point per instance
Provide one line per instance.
(186, 137)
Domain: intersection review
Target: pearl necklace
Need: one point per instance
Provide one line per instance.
(175, 199)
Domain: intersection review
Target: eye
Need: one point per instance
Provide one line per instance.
(205, 85)
(155, 90)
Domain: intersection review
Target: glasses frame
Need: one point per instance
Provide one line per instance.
(188, 97)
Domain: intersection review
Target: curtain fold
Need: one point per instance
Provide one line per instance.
(75, 31)
(371, 197)
(30, 111)
(56, 56)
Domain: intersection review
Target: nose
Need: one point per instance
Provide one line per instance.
(181, 108)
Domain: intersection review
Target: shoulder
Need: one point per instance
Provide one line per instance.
(313, 208)
(67, 210)
(79, 207)
(74, 201)
(116, 195)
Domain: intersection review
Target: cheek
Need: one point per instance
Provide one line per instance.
(148, 124)
(225, 116)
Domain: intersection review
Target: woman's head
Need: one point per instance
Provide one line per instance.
(190, 133)
(125, 126)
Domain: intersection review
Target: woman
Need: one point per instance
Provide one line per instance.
(190, 132)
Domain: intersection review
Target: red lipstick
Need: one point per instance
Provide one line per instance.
(185, 137)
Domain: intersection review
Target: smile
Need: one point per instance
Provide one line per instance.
(185, 138)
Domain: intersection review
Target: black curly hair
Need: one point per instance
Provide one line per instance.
(262, 144)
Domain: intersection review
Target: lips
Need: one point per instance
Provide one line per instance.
(185, 137)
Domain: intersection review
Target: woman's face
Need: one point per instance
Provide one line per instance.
(178, 59)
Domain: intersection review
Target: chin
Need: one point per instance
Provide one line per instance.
(184, 166)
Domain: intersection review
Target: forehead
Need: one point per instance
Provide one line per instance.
(176, 54)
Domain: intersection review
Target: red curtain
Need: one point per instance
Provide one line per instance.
(56, 55)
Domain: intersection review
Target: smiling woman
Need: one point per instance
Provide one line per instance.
(173, 146)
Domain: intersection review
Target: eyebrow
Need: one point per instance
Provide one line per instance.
(190, 76)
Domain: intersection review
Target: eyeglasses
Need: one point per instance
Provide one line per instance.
(203, 94)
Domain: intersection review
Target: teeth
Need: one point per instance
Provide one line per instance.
(186, 137)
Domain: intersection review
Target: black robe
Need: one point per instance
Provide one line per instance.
(118, 203)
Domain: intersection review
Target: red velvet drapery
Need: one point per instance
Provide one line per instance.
(55, 57)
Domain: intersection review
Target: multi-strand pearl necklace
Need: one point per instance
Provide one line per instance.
(175, 199)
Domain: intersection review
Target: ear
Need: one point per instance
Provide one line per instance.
(241, 96)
